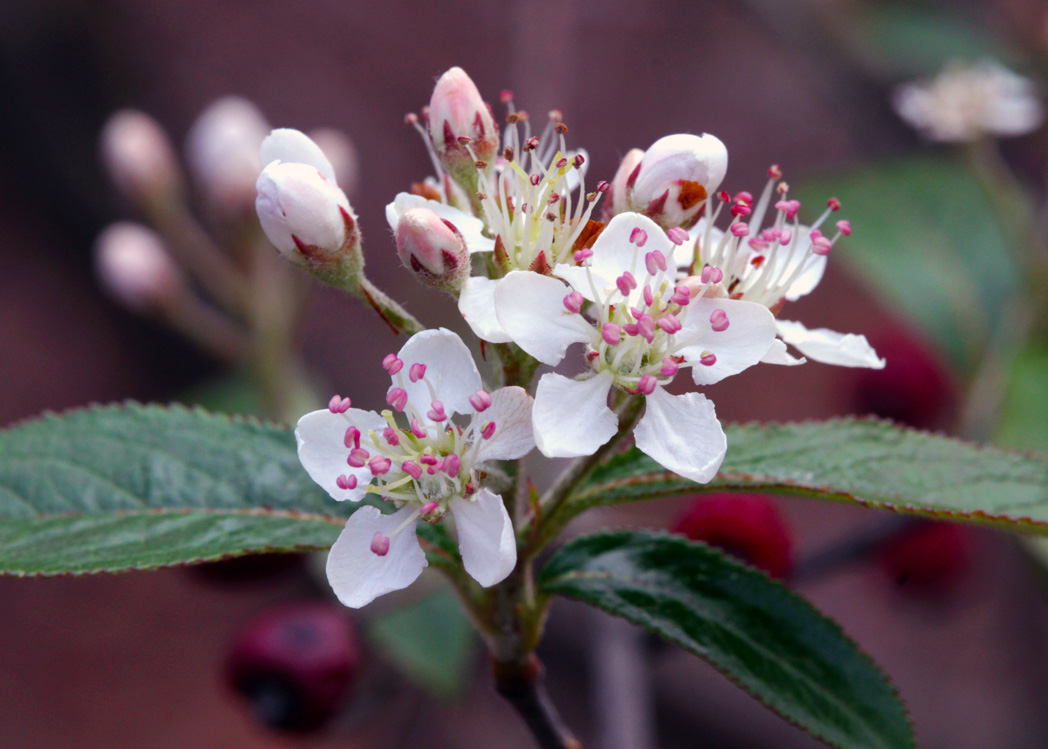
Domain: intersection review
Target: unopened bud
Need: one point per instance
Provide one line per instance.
(134, 266)
(309, 220)
(433, 249)
(222, 153)
(139, 157)
(621, 182)
(676, 175)
(456, 112)
(342, 154)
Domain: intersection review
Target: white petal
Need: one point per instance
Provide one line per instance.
(357, 574)
(477, 306)
(572, 417)
(682, 433)
(830, 347)
(449, 369)
(470, 227)
(778, 355)
(614, 254)
(513, 438)
(749, 336)
(295, 147)
(585, 280)
(486, 540)
(815, 265)
(323, 452)
(530, 308)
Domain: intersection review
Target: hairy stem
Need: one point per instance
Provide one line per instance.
(395, 316)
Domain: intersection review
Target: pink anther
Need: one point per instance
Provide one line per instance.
(380, 544)
(654, 261)
(833, 204)
(338, 404)
(611, 333)
(436, 412)
(573, 302)
(392, 364)
(480, 401)
(647, 385)
(669, 323)
(740, 229)
(417, 429)
(774, 171)
(417, 372)
(488, 430)
(397, 398)
(452, 465)
(744, 197)
(358, 456)
(411, 468)
(626, 283)
(740, 209)
(352, 437)
(638, 236)
(821, 246)
(428, 460)
(428, 509)
(708, 359)
(379, 465)
(719, 320)
(785, 236)
(669, 367)
(649, 295)
(582, 254)
(844, 226)
(346, 482)
(677, 235)
(603, 186)
(391, 435)
(535, 179)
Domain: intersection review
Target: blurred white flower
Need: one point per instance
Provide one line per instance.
(966, 101)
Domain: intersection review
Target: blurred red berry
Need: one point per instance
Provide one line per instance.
(295, 665)
(928, 556)
(914, 388)
(747, 526)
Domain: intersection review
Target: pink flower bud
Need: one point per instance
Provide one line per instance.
(222, 153)
(456, 111)
(134, 266)
(433, 249)
(620, 183)
(139, 157)
(309, 220)
(675, 176)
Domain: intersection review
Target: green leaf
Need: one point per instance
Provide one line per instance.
(930, 244)
(137, 487)
(1024, 421)
(431, 641)
(908, 41)
(865, 461)
(764, 637)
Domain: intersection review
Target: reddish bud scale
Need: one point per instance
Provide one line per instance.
(747, 526)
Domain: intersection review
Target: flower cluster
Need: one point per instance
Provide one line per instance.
(649, 287)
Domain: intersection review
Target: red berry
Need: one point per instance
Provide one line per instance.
(928, 556)
(295, 664)
(914, 388)
(747, 526)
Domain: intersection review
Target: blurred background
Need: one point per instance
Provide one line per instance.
(930, 276)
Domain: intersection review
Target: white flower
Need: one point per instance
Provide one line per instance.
(967, 101)
(134, 265)
(302, 210)
(642, 329)
(424, 464)
(222, 149)
(771, 265)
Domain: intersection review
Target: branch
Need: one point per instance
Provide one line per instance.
(522, 687)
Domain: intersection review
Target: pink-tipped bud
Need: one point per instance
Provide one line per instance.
(134, 267)
(675, 176)
(309, 220)
(433, 249)
(222, 150)
(456, 111)
(139, 157)
(480, 400)
(719, 320)
(380, 544)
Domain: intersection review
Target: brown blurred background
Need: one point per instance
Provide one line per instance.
(135, 660)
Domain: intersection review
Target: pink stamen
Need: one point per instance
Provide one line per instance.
(578, 161)
(452, 465)
(638, 236)
(708, 359)
(428, 460)
(488, 430)
(392, 438)
(786, 236)
(649, 295)
(417, 372)
(669, 367)
(758, 244)
(358, 456)
(681, 296)
(724, 196)
(740, 229)
(833, 204)
(417, 430)
(346, 482)
(535, 179)
(821, 246)
(646, 327)
(789, 207)
(380, 544)
(573, 302)
(669, 323)
(379, 465)
(412, 469)
(582, 254)
(740, 209)
(611, 333)
(626, 283)
(352, 438)
(844, 227)
(677, 235)
(744, 197)
(480, 401)
(338, 404)
(630, 328)
(436, 413)
(774, 171)
(397, 398)
(719, 320)
(428, 508)
(647, 384)
(655, 261)
(392, 364)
